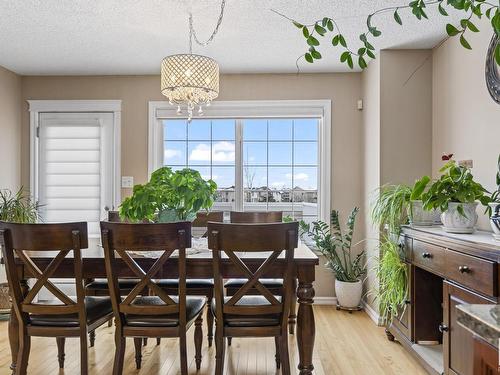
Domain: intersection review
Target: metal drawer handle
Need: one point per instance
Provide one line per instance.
(426, 255)
(443, 328)
(464, 269)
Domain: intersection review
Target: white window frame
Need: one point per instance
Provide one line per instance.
(320, 109)
(36, 107)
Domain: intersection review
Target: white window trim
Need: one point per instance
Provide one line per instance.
(321, 109)
(36, 107)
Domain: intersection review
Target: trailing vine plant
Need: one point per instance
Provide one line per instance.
(314, 33)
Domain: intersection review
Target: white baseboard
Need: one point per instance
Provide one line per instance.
(374, 315)
(325, 301)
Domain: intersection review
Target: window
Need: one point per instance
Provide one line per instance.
(274, 159)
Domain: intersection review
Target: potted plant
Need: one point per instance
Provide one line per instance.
(494, 206)
(418, 216)
(169, 196)
(336, 246)
(456, 194)
(17, 208)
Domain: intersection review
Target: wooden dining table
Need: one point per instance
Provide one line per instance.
(198, 265)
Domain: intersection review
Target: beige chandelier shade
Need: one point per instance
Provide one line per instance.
(189, 79)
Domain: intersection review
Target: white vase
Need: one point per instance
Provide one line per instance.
(495, 220)
(348, 293)
(420, 217)
(454, 222)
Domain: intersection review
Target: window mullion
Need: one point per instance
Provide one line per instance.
(238, 188)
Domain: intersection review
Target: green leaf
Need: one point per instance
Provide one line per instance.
(463, 23)
(324, 22)
(369, 46)
(350, 62)
(319, 29)
(397, 17)
(361, 51)
(362, 62)
(362, 37)
(315, 54)
(376, 33)
(442, 10)
(298, 25)
(342, 41)
(451, 30)
(329, 25)
(335, 40)
(472, 27)
(488, 13)
(464, 42)
(344, 56)
(477, 10)
(309, 58)
(305, 31)
(370, 53)
(312, 41)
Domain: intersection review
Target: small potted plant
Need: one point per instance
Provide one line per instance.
(169, 196)
(494, 206)
(457, 195)
(418, 216)
(336, 246)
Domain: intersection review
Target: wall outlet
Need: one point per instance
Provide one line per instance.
(360, 104)
(127, 182)
(466, 163)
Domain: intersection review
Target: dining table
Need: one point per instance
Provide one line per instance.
(198, 266)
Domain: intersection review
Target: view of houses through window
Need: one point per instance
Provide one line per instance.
(259, 164)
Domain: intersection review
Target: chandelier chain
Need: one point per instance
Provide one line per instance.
(192, 31)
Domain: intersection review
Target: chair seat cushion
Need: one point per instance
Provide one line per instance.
(96, 308)
(102, 284)
(269, 283)
(190, 283)
(232, 320)
(194, 305)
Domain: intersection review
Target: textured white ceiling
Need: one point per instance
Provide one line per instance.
(43, 37)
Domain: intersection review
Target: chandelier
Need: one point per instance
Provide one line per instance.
(190, 80)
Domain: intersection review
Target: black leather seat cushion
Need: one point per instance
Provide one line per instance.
(102, 284)
(96, 307)
(190, 283)
(194, 305)
(266, 320)
(270, 283)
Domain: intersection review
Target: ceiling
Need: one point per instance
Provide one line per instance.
(119, 37)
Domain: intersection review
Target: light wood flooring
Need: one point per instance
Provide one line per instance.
(345, 345)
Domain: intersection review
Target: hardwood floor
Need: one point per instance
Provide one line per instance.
(345, 345)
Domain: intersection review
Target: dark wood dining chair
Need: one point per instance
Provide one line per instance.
(197, 287)
(262, 315)
(158, 315)
(274, 285)
(68, 317)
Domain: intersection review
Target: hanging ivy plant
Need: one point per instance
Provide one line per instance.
(315, 33)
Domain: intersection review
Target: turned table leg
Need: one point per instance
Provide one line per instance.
(305, 320)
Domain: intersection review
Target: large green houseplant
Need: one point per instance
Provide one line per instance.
(336, 246)
(169, 196)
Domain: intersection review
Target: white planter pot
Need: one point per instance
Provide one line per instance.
(348, 293)
(495, 220)
(454, 222)
(420, 217)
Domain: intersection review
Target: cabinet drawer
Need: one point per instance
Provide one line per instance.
(428, 256)
(475, 273)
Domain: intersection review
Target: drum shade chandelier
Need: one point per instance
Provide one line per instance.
(190, 80)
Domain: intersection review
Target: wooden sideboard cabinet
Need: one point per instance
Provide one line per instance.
(485, 358)
(445, 270)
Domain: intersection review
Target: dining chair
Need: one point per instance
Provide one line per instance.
(275, 285)
(197, 287)
(158, 315)
(262, 315)
(67, 317)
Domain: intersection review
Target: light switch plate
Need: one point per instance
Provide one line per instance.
(127, 182)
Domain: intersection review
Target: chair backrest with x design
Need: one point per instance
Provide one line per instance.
(272, 239)
(17, 240)
(122, 238)
(256, 217)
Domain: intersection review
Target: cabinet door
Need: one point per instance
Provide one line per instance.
(403, 320)
(485, 358)
(458, 343)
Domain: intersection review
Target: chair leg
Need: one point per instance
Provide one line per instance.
(84, 365)
(183, 353)
(220, 351)
(60, 351)
(119, 353)
(285, 358)
(92, 338)
(23, 354)
(292, 318)
(229, 341)
(138, 352)
(210, 323)
(278, 352)
(198, 339)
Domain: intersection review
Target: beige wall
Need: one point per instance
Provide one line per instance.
(10, 130)
(135, 91)
(466, 121)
